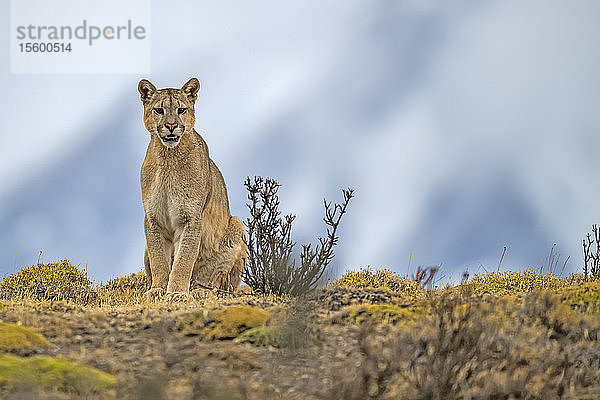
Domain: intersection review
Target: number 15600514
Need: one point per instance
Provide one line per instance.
(49, 47)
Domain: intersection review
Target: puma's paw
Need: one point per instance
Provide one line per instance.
(154, 293)
(177, 297)
(199, 293)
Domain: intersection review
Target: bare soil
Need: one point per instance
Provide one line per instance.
(151, 358)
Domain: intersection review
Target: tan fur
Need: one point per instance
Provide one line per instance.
(190, 233)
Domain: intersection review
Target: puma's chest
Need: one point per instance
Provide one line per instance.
(169, 201)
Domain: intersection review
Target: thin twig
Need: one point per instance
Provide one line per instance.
(501, 258)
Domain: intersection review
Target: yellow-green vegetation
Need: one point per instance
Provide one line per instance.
(14, 336)
(517, 282)
(379, 313)
(520, 334)
(584, 297)
(279, 334)
(289, 326)
(126, 289)
(262, 336)
(45, 372)
(367, 278)
(224, 323)
(51, 281)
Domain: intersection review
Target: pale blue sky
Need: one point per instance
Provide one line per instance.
(462, 128)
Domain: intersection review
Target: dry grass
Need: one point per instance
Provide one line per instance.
(370, 335)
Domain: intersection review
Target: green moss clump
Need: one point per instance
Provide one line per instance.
(279, 335)
(584, 298)
(262, 336)
(45, 372)
(379, 313)
(508, 282)
(50, 281)
(224, 323)
(14, 336)
(379, 279)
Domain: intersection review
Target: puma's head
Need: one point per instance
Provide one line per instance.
(169, 113)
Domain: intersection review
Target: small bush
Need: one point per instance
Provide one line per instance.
(271, 268)
(50, 281)
(13, 336)
(224, 323)
(508, 282)
(51, 373)
(591, 254)
(378, 279)
(379, 313)
(126, 289)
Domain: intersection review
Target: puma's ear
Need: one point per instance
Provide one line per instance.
(146, 90)
(191, 89)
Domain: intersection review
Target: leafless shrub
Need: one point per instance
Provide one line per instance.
(591, 254)
(271, 268)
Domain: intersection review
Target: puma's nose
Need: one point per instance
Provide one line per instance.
(171, 127)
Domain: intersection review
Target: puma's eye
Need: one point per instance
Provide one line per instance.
(159, 111)
(181, 110)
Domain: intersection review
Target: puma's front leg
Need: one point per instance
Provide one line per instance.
(159, 263)
(185, 258)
